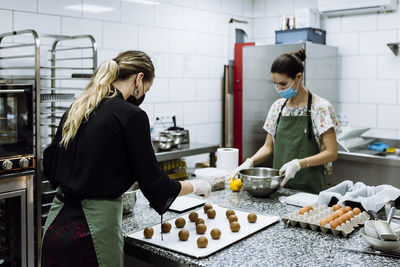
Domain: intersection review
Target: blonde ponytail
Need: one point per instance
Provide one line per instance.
(122, 67)
(98, 88)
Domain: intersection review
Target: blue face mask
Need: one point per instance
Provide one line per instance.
(287, 93)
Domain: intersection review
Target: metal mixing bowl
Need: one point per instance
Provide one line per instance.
(261, 182)
(162, 143)
(128, 201)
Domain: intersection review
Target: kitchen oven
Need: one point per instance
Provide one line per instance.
(16, 128)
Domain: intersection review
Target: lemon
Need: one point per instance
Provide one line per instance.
(236, 184)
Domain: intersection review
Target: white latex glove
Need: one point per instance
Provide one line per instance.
(201, 187)
(289, 169)
(245, 165)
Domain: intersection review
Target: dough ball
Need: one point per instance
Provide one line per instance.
(193, 216)
(235, 226)
(199, 220)
(166, 227)
(252, 218)
(202, 242)
(229, 213)
(180, 222)
(207, 207)
(201, 228)
(148, 232)
(233, 218)
(215, 233)
(183, 235)
(211, 213)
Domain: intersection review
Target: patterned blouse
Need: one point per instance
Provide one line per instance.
(323, 118)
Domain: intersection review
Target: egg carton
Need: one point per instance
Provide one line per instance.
(311, 219)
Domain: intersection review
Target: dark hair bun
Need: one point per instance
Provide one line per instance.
(300, 54)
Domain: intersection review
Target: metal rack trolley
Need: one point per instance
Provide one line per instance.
(49, 92)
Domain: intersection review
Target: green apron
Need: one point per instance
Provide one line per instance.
(104, 218)
(294, 139)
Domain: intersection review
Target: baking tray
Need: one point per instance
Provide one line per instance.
(311, 220)
(189, 247)
(184, 203)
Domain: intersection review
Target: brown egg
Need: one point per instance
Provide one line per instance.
(180, 222)
(183, 235)
(330, 218)
(351, 215)
(339, 212)
(252, 218)
(356, 211)
(343, 209)
(348, 208)
(211, 213)
(308, 208)
(166, 227)
(336, 207)
(202, 242)
(235, 226)
(302, 211)
(199, 220)
(323, 222)
(334, 224)
(215, 233)
(201, 228)
(193, 216)
(207, 207)
(340, 220)
(148, 232)
(335, 215)
(233, 218)
(229, 213)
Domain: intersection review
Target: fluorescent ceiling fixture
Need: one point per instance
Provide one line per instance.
(146, 2)
(90, 8)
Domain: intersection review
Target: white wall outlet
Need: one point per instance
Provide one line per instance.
(164, 120)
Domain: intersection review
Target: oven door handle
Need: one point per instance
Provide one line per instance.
(13, 91)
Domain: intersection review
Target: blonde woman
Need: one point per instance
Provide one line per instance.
(102, 146)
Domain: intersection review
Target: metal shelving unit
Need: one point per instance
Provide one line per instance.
(58, 72)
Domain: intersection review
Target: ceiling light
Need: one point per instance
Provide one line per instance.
(90, 8)
(146, 2)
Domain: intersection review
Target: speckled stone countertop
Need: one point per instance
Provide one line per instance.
(275, 245)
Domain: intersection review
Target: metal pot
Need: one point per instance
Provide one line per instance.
(261, 182)
(128, 201)
(162, 142)
(177, 136)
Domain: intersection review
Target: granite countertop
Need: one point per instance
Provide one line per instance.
(275, 245)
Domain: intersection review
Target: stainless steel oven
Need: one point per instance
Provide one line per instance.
(16, 127)
(16, 220)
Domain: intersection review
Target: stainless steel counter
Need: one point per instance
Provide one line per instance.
(186, 150)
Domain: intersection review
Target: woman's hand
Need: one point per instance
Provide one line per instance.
(289, 169)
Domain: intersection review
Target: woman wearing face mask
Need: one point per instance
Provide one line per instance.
(301, 129)
(102, 146)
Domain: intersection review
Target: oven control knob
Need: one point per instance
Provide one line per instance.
(7, 165)
(24, 162)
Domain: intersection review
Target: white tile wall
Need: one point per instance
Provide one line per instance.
(114, 14)
(378, 91)
(388, 67)
(126, 38)
(195, 113)
(24, 5)
(358, 67)
(182, 90)
(183, 42)
(58, 7)
(153, 39)
(348, 91)
(6, 24)
(374, 43)
(41, 23)
(169, 16)
(360, 23)
(347, 43)
(137, 13)
(388, 116)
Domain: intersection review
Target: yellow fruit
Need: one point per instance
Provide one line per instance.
(236, 184)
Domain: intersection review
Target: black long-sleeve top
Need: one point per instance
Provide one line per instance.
(110, 151)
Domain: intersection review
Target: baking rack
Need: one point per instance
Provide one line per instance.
(59, 69)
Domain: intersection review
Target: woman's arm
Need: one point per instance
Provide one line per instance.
(265, 151)
(186, 188)
(329, 154)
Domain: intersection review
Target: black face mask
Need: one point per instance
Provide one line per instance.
(131, 99)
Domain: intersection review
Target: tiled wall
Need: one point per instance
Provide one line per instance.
(187, 40)
(369, 87)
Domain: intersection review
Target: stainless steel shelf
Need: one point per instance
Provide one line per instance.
(43, 67)
(186, 150)
(71, 48)
(17, 46)
(71, 58)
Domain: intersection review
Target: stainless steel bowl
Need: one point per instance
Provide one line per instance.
(128, 201)
(163, 142)
(261, 182)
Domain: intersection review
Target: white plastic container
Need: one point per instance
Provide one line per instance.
(214, 176)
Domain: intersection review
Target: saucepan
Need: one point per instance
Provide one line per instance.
(162, 142)
(261, 182)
